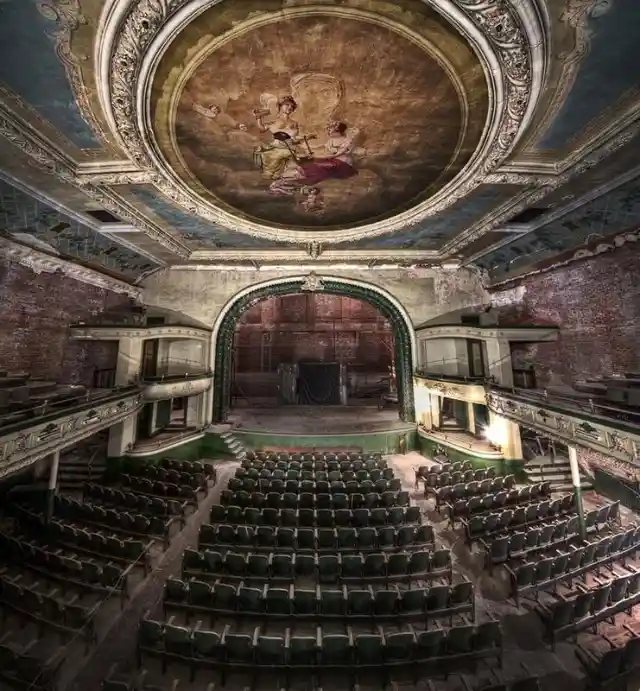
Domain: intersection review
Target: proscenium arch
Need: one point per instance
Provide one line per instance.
(225, 325)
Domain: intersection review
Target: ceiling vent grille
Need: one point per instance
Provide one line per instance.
(103, 216)
(528, 216)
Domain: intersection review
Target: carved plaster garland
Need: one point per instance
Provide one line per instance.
(498, 20)
(48, 159)
(67, 15)
(505, 214)
(40, 262)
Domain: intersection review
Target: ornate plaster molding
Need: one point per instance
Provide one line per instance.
(138, 177)
(158, 391)
(113, 333)
(471, 393)
(510, 38)
(312, 283)
(578, 255)
(67, 14)
(576, 16)
(40, 262)
(46, 157)
(264, 257)
(506, 212)
(513, 333)
(21, 449)
(595, 432)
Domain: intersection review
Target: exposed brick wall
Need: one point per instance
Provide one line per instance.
(596, 304)
(326, 328)
(36, 310)
(592, 461)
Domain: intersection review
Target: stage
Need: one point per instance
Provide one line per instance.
(357, 427)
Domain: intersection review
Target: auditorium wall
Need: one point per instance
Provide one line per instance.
(201, 293)
(34, 318)
(596, 304)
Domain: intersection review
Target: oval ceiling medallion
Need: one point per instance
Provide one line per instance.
(317, 117)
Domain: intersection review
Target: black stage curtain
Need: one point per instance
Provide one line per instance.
(319, 383)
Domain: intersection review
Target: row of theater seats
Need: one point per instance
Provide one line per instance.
(114, 497)
(322, 653)
(478, 489)
(477, 527)
(313, 457)
(358, 518)
(354, 567)
(321, 539)
(223, 600)
(319, 465)
(315, 475)
(320, 487)
(56, 575)
(307, 500)
(467, 508)
(532, 577)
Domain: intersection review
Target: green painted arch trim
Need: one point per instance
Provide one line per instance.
(401, 330)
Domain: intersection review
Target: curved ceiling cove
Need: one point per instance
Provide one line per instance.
(327, 121)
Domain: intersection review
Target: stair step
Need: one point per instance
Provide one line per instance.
(549, 476)
(568, 487)
(557, 464)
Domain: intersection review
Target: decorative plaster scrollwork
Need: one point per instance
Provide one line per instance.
(512, 48)
(312, 284)
(39, 262)
(505, 214)
(48, 159)
(582, 253)
(140, 177)
(67, 14)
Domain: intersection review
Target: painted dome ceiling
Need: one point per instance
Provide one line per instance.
(136, 134)
(318, 117)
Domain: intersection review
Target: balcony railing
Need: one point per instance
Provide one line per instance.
(49, 410)
(568, 403)
(453, 378)
(177, 370)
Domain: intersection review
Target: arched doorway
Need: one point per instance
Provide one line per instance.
(389, 307)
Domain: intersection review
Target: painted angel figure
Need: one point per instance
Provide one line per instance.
(214, 112)
(280, 158)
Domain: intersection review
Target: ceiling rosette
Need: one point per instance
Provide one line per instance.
(142, 46)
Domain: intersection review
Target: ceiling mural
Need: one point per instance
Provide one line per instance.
(375, 112)
(343, 130)
(615, 212)
(350, 125)
(30, 221)
(607, 69)
(31, 67)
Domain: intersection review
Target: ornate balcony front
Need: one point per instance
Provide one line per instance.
(27, 441)
(610, 430)
(176, 385)
(469, 389)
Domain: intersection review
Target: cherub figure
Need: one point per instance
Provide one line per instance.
(314, 201)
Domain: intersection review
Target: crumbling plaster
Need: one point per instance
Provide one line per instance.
(424, 293)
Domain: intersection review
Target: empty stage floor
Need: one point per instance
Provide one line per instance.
(315, 419)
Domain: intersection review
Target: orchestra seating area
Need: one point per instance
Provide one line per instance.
(319, 571)
(64, 581)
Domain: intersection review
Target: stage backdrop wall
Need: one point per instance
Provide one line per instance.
(310, 327)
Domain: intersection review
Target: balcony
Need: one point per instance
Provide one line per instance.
(459, 387)
(176, 380)
(573, 419)
(46, 428)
